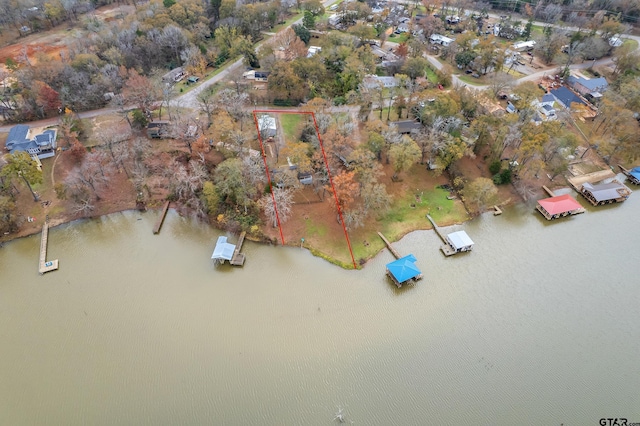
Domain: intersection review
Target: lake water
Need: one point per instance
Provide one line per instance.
(539, 325)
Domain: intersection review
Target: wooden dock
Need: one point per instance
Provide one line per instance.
(45, 266)
(496, 211)
(160, 221)
(446, 247)
(548, 191)
(634, 180)
(238, 258)
(389, 246)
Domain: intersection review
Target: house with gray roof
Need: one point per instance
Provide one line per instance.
(566, 97)
(588, 86)
(42, 145)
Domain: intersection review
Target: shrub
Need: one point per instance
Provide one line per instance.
(506, 176)
(494, 167)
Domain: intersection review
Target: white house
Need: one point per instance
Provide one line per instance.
(440, 39)
(313, 50)
(373, 81)
(267, 125)
(522, 46)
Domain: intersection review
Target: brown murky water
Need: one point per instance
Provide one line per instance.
(539, 325)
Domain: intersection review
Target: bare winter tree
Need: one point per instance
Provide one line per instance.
(284, 201)
(500, 81)
(234, 103)
(92, 174)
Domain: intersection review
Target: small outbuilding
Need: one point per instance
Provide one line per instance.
(605, 193)
(559, 206)
(460, 241)
(403, 270)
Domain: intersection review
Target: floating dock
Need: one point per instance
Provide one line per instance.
(156, 229)
(238, 258)
(496, 211)
(45, 266)
(403, 270)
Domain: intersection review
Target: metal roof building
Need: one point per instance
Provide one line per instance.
(224, 250)
(558, 206)
(403, 269)
(460, 241)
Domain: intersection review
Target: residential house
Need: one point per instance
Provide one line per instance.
(402, 28)
(158, 129)
(566, 97)
(374, 81)
(313, 50)
(406, 126)
(588, 86)
(441, 40)
(41, 145)
(261, 75)
(523, 46)
(174, 75)
(267, 125)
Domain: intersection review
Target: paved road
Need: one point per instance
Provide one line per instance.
(234, 70)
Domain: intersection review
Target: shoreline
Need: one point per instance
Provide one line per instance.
(55, 222)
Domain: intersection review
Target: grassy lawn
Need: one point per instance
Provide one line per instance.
(431, 75)
(516, 74)
(291, 126)
(471, 80)
(632, 43)
(402, 38)
(408, 213)
(286, 23)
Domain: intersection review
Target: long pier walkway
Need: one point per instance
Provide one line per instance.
(238, 258)
(45, 266)
(389, 246)
(446, 248)
(548, 191)
(160, 221)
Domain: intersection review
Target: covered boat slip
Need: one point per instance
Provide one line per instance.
(460, 241)
(559, 206)
(227, 251)
(605, 193)
(404, 270)
(632, 175)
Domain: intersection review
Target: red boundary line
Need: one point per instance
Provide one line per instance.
(326, 163)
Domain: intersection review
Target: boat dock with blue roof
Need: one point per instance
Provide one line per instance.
(404, 269)
(633, 175)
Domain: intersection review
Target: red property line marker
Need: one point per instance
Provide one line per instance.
(266, 167)
(326, 163)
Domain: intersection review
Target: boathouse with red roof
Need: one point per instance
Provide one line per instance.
(559, 206)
